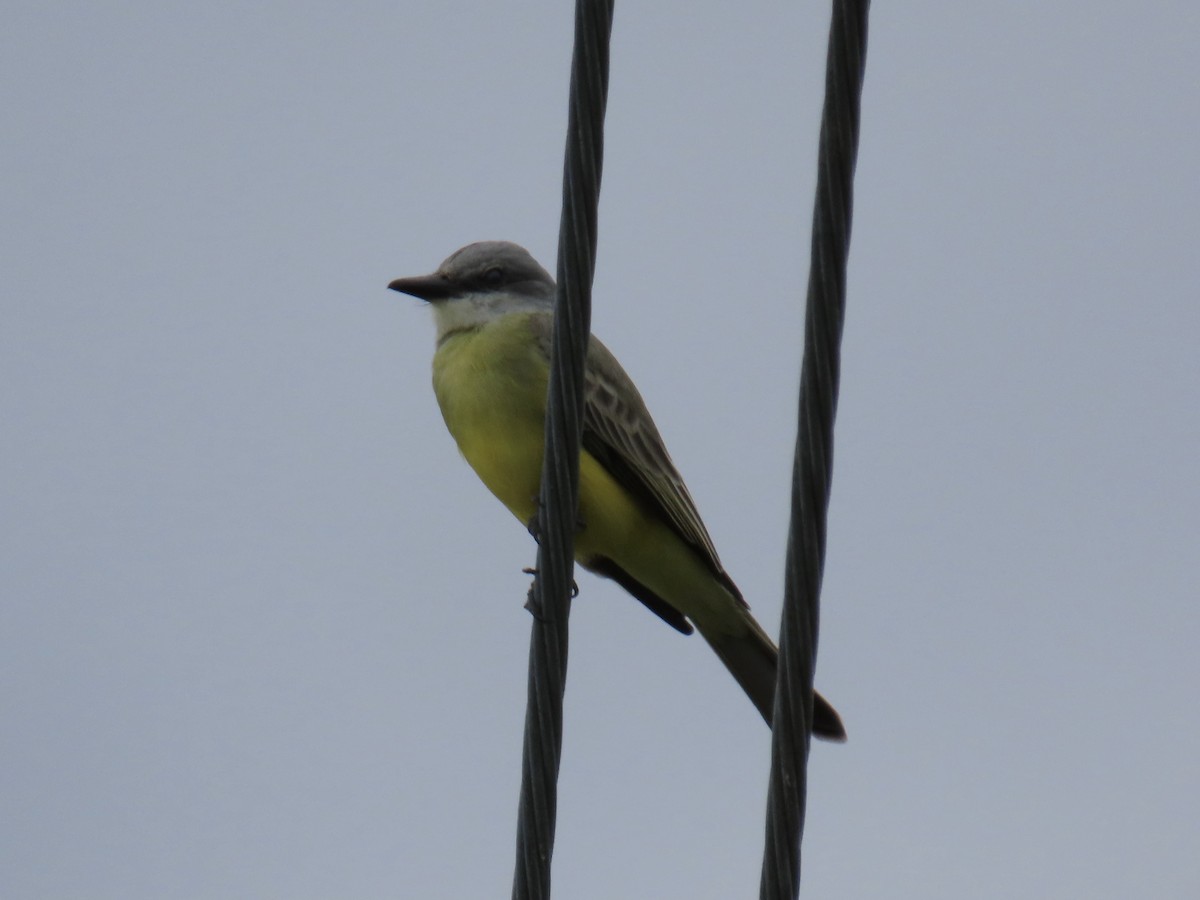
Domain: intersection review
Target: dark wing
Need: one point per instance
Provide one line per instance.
(619, 433)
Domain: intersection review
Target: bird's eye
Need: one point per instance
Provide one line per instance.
(493, 276)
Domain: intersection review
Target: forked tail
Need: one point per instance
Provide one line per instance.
(752, 659)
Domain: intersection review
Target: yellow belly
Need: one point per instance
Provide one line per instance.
(491, 386)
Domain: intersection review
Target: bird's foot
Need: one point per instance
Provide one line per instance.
(534, 525)
(530, 570)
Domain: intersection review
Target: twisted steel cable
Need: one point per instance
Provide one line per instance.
(813, 462)
(550, 596)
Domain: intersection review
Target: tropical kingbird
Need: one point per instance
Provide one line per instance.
(493, 306)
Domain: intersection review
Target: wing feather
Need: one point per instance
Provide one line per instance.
(619, 432)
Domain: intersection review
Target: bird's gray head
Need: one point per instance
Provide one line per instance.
(482, 282)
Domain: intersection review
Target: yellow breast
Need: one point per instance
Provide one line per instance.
(490, 383)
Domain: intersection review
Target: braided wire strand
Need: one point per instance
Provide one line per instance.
(813, 462)
(550, 595)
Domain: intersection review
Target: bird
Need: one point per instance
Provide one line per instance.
(493, 307)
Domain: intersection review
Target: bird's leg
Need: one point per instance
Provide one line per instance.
(534, 525)
(575, 587)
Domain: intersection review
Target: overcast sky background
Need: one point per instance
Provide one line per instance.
(261, 630)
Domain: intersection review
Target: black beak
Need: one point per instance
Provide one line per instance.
(427, 287)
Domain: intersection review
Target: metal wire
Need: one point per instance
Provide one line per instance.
(550, 596)
(813, 462)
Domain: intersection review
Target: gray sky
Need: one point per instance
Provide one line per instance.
(261, 630)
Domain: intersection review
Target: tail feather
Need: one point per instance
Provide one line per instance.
(752, 660)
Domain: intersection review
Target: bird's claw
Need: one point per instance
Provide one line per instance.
(530, 570)
(534, 525)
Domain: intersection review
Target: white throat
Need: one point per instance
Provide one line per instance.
(470, 311)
